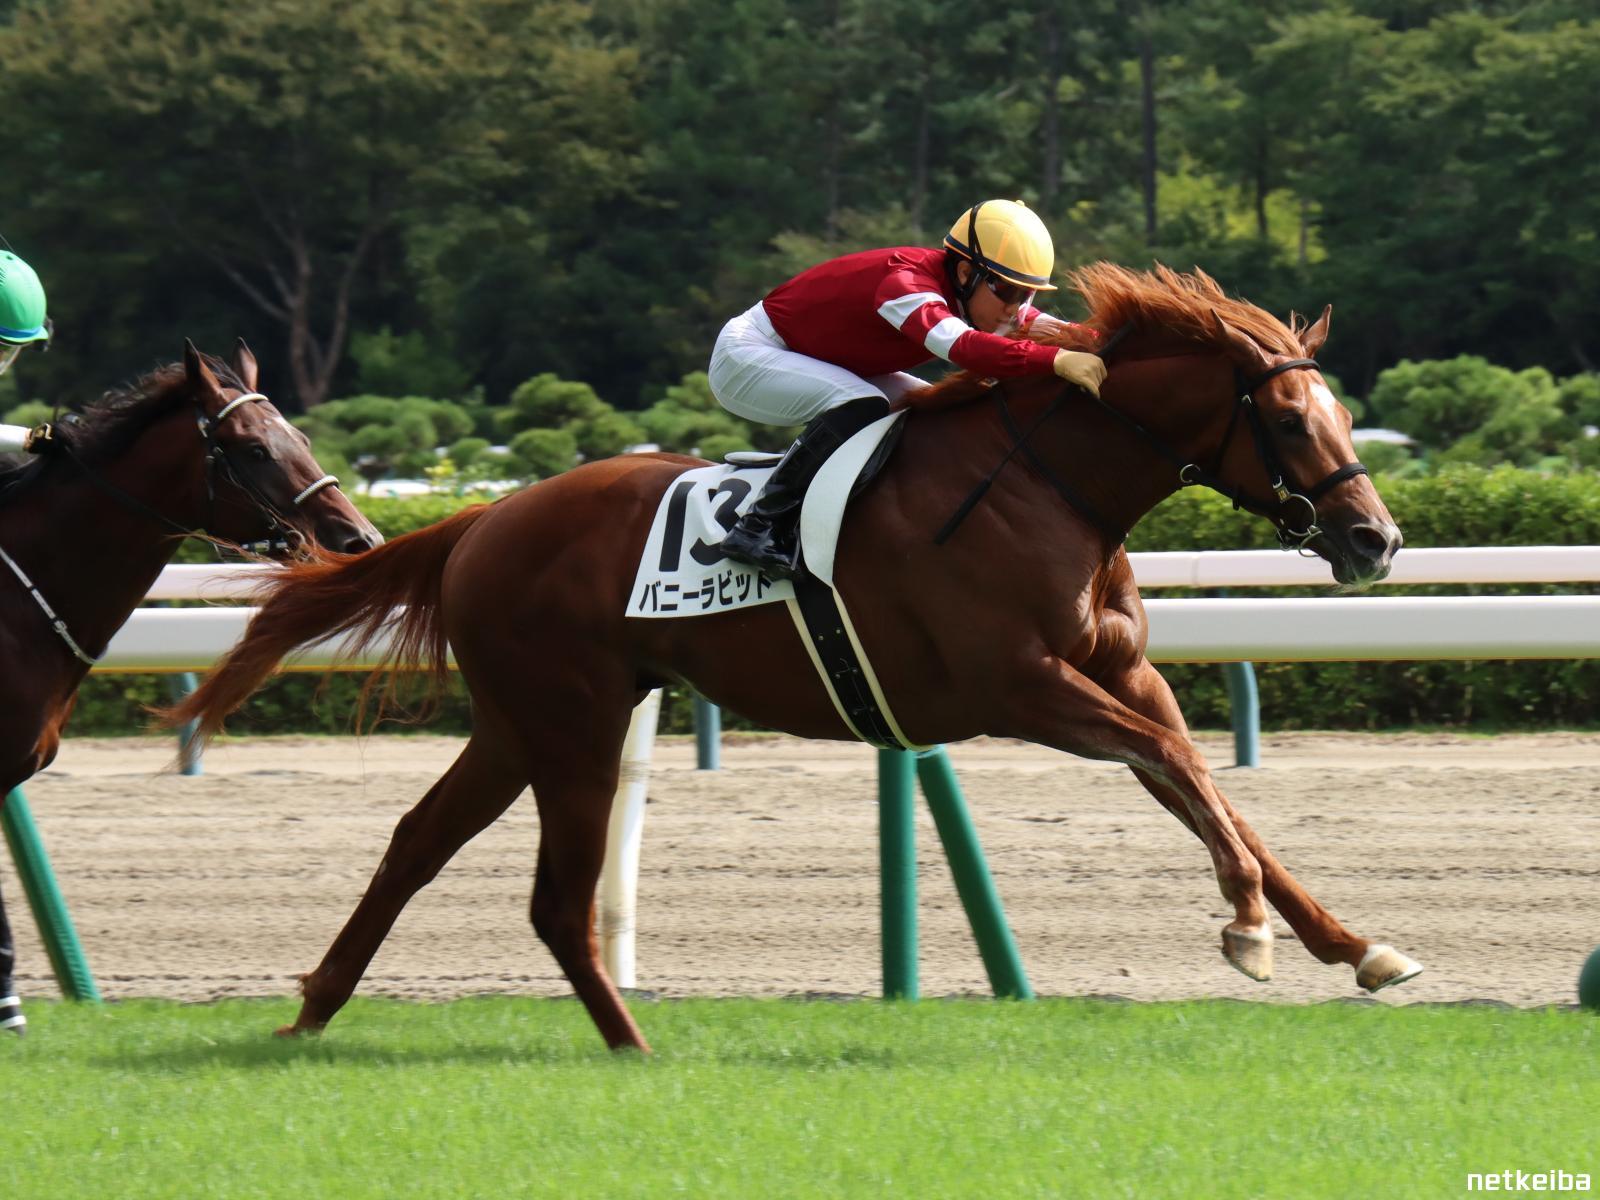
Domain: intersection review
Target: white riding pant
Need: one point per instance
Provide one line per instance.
(756, 376)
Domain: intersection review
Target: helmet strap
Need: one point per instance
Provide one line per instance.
(964, 291)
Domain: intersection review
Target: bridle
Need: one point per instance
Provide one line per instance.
(45, 440)
(1291, 505)
(281, 537)
(279, 532)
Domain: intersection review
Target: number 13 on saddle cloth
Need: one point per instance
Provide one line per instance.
(683, 572)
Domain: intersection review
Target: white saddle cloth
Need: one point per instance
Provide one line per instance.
(682, 572)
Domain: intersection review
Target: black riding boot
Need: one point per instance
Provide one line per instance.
(10, 1007)
(768, 535)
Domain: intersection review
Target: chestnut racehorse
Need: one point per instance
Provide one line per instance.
(1023, 622)
(87, 526)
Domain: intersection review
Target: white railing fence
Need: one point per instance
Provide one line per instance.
(1234, 629)
(1230, 630)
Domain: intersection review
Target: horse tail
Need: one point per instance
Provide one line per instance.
(338, 594)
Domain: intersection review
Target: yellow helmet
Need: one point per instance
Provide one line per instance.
(1008, 239)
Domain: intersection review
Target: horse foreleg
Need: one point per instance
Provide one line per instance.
(478, 787)
(1058, 706)
(1377, 966)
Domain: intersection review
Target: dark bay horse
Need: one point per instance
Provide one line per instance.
(86, 527)
(1025, 622)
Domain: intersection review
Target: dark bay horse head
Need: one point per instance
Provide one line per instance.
(88, 524)
(196, 447)
(1234, 400)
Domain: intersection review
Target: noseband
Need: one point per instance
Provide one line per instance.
(1289, 500)
(218, 462)
(1291, 505)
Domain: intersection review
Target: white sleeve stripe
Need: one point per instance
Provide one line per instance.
(899, 310)
(943, 335)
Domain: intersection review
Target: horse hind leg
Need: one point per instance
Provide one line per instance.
(574, 788)
(562, 911)
(467, 799)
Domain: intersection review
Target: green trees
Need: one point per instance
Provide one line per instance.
(284, 155)
(374, 436)
(551, 422)
(1466, 410)
(404, 199)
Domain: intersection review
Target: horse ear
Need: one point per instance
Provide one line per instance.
(245, 364)
(1312, 339)
(1242, 348)
(200, 376)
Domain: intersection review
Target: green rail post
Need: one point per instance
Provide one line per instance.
(707, 734)
(44, 897)
(1244, 708)
(1245, 705)
(974, 884)
(897, 862)
(178, 687)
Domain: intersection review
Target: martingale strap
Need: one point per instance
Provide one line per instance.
(56, 622)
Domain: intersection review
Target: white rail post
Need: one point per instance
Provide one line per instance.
(619, 876)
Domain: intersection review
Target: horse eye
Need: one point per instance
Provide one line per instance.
(259, 453)
(1292, 423)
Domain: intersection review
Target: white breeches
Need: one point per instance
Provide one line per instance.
(755, 376)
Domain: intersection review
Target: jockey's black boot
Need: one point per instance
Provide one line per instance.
(11, 1018)
(10, 1007)
(768, 534)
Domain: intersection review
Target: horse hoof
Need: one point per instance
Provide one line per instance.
(294, 1031)
(1249, 951)
(1384, 966)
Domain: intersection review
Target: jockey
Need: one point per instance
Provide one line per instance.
(831, 347)
(22, 322)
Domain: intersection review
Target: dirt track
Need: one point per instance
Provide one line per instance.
(1480, 857)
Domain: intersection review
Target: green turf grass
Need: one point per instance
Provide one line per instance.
(517, 1097)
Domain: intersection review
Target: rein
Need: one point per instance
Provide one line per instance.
(44, 440)
(1287, 495)
(1019, 441)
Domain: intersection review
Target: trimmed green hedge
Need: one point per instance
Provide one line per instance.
(1461, 507)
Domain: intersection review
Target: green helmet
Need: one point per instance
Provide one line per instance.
(22, 314)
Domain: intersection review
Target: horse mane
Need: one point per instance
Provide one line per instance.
(1178, 303)
(106, 427)
(1158, 301)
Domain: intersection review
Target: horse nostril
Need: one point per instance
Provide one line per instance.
(1376, 542)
